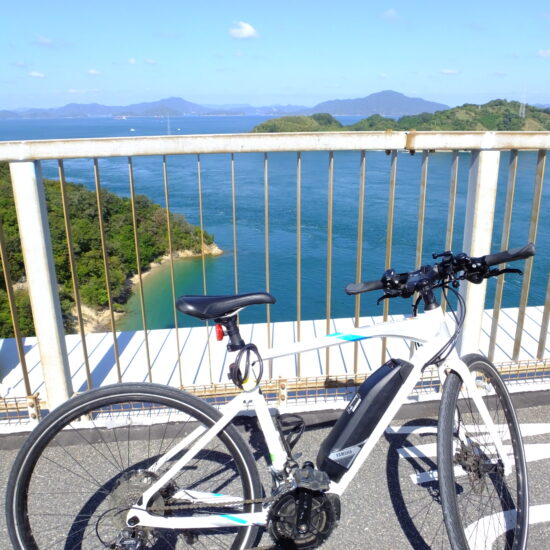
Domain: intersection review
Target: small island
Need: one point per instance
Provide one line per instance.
(499, 115)
(117, 218)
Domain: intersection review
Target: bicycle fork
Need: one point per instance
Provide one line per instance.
(458, 366)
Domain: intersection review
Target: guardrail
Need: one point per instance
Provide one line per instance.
(484, 150)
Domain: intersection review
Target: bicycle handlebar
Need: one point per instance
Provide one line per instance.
(357, 288)
(505, 256)
(473, 269)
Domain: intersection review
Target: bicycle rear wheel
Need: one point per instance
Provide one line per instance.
(483, 508)
(88, 461)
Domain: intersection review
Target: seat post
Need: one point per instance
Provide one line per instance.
(236, 343)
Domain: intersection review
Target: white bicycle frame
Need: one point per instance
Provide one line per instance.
(429, 329)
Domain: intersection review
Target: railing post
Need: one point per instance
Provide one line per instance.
(30, 205)
(478, 229)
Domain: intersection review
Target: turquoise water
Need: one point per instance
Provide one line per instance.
(249, 175)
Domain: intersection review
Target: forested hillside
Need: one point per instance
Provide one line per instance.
(117, 217)
(496, 115)
(321, 122)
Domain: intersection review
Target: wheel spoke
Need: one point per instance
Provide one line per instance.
(478, 502)
(79, 483)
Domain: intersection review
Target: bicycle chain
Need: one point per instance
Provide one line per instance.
(221, 504)
(213, 504)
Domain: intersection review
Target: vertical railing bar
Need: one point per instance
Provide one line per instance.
(74, 276)
(199, 182)
(544, 325)
(452, 201)
(389, 235)
(203, 259)
(234, 208)
(299, 255)
(266, 240)
(359, 257)
(13, 310)
(535, 212)
(36, 245)
(329, 255)
(421, 221)
(106, 264)
(138, 266)
(172, 272)
(479, 215)
(451, 209)
(422, 208)
(504, 243)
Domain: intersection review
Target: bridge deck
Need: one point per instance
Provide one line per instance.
(205, 361)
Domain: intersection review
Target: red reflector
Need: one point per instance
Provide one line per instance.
(219, 333)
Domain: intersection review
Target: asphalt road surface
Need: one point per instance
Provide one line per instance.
(384, 507)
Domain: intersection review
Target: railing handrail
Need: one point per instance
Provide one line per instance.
(277, 142)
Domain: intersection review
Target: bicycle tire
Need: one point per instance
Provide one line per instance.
(482, 507)
(83, 466)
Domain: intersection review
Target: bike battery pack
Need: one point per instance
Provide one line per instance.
(340, 448)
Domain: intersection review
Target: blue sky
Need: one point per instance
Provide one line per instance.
(301, 52)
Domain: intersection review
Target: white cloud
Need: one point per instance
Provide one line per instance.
(390, 15)
(36, 74)
(94, 72)
(44, 41)
(150, 61)
(132, 61)
(243, 30)
(449, 71)
(383, 75)
(543, 53)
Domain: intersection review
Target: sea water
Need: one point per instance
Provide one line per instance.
(215, 172)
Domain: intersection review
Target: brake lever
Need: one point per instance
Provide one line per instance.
(388, 294)
(497, 272)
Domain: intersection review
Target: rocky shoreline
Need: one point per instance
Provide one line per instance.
(99, 320)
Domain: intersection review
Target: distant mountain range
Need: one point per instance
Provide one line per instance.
(387, 103)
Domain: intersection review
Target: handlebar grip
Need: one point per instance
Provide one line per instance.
(357, 288)
(505, 256)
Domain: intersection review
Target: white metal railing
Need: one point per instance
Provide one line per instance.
(485, 151)
(260, 143)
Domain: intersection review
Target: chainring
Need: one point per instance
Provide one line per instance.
(283, 519)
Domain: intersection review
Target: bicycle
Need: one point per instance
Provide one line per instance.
(164, 469)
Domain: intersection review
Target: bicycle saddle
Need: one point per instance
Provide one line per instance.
(214, 307)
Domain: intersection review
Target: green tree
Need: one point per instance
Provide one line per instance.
(86, 243)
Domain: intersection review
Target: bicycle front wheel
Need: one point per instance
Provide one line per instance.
(89, 461)
(483, 507)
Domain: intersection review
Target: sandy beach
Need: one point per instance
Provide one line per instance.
(99, 320)
(208, 249)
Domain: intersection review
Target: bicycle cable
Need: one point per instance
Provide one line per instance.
(445, 351)
(239, 378)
